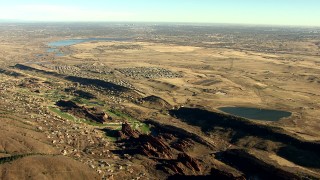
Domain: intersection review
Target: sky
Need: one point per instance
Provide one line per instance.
(268, 12)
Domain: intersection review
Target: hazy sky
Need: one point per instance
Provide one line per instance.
(277, 12)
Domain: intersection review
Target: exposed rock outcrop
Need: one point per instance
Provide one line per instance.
(127, 132)
(183, 165)
(145, 144)
(183, 144)
(159, 149)
(155, 147)
(189, 162)
(167, 136)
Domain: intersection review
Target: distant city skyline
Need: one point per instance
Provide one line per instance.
(260, 12)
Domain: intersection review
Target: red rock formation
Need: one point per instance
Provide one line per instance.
(155, 147)
(146, 144)
(189, 162)
(128, 132)
(176, 168)
(167, 136)
(183, 145)
(183, 165)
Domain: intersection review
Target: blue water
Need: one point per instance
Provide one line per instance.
(55, 45)
(68, 42)
(256, 113)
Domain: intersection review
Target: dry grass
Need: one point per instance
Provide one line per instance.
(223, 77)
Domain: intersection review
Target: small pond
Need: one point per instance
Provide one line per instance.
(256, 113)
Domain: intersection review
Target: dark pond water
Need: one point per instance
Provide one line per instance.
(54, 46)
(256, 113)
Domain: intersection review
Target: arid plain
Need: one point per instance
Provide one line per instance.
(146, 106)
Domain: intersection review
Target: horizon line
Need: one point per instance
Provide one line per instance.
(2, 21)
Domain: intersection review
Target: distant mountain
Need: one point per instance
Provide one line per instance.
(10, 20)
